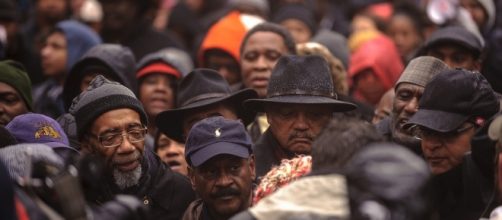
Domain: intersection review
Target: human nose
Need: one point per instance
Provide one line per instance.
(224, 180)
(126, 145)
(412, 106)
(301, 122)
(261, 63)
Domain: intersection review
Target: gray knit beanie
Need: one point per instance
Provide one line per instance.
(421, 70)
(102, 96)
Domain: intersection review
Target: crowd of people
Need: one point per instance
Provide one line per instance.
(250, 109)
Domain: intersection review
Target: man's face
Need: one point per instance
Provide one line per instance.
(11, 104)
(299, 30)
(193, 116)
(295, 126)
(455, 56)
(224, 183)
(172, 153)
(54, 55)
(156, 94)
(125, 159)
(258, 58)
(226, 66)
(444, 151)
(405, 105)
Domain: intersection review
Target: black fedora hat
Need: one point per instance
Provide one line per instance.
(301, 80)
(201, 88)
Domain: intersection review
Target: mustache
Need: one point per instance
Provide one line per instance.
(226, 192)
(301, 134)
(119, 159)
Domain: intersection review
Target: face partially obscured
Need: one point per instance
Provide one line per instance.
(295, 126)
(259, 56)
(446, 151)
(54, 55)
(455, 56)
(404, 34)
(118, 14)
(226, 66)
(125, 159)
(156, 94)
(476, 11)
(299, 30)
(172, 153)
(369, 86)
(11, 104)
(405, 105)
(193, 116)
(224, 183)
(384, 107)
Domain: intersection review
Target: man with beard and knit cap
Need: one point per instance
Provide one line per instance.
(111, 125)
(408, 90)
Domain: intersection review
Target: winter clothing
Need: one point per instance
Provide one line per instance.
(7, 207)
(37, 128)
(421, 70)
(336, 44)
(102, 96)
(201, 88)
(227, 34)
(6, 137)
(111, 60)
(386, 68)
(301, 80)
(268, 153)
(453, 97)
(214, 136)
(14, 74)
(453, 34)
(297, 12)
(170, 61)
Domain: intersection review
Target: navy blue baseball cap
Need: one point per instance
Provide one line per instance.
(214, 136)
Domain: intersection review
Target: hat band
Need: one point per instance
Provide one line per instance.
(203, 97)
(299, 92)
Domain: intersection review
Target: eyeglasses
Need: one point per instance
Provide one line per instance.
(421, 132)
(115, 140)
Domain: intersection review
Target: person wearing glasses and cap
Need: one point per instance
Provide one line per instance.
(111, 125)
(454, 104)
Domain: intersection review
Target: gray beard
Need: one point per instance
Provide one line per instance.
(125, 180)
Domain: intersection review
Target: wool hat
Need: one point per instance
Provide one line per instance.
(421, 70)
(37, 128)
(14, 74)
(301, 80)
(202, 88)
(102, 96)
(214, 136)
(453, 34)
(170, 61)
(298, 12)
(336, 44)
(451, 98)
(20, 158)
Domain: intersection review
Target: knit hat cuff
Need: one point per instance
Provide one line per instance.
(86, 115)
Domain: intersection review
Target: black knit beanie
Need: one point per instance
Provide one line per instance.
(102, 96)
(296, 11)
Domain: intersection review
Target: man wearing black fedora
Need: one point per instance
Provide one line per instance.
(203, 93)
(300, 101)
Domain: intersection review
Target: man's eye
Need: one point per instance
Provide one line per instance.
(251, 56)
(273, 55)
(404, 95)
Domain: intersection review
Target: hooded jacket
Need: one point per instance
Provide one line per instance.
(118, 60)
(47, 96)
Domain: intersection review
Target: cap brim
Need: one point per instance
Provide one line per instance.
(59, 145)
(495, 129)
(336, 105)
(201, 156)
(436, 120)
(169, 122)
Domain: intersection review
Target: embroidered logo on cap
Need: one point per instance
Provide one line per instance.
(47, 130)
(217, 132)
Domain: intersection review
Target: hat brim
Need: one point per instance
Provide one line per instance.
(436, 120)
(201, 156)
(170, 122)
(59, 145)
(335, 105)
(495, 129)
